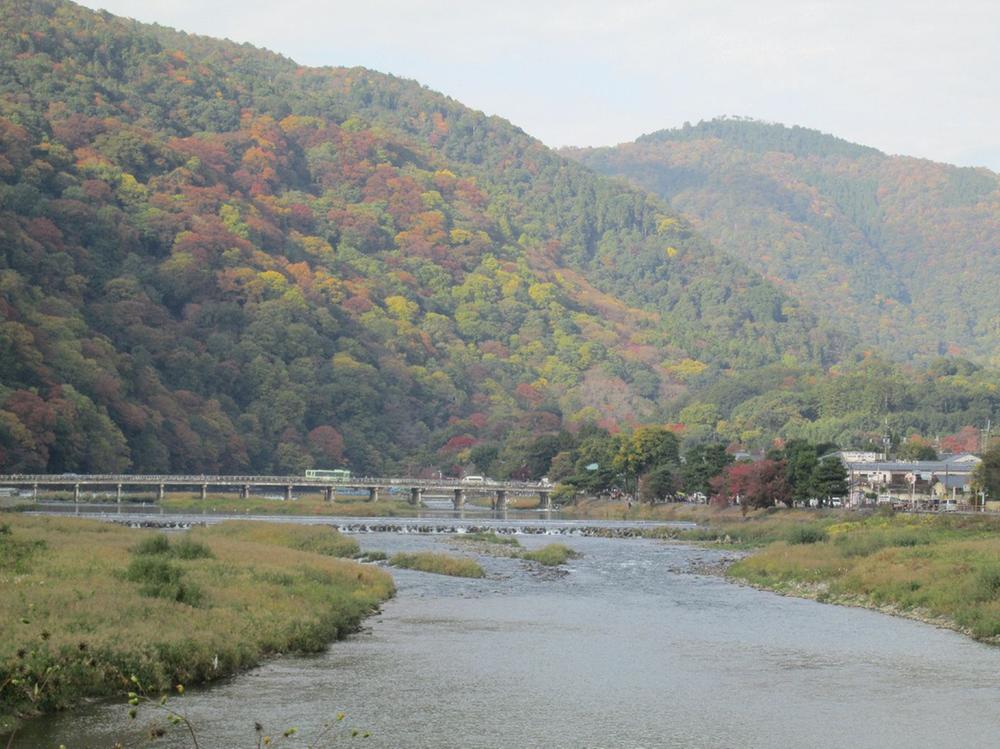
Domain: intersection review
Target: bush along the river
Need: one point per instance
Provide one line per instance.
(551, 556)
(441, 564)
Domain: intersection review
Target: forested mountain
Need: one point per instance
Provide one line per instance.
(902, 253)
(214, 259)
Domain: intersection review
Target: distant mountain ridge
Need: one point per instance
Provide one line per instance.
(903, 252)
(759, 136)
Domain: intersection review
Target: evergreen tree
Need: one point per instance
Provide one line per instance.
(702, 463)
(829, 479)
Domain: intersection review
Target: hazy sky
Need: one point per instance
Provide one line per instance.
(920, 77)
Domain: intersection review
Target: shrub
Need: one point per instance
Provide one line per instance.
(987, 585)
(155, 544)
(187, 548)
(158, 578)
(805, 534)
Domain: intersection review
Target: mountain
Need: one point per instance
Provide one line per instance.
(902, 253)
(215, 259)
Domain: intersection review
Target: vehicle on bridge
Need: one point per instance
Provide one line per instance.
(336, 474)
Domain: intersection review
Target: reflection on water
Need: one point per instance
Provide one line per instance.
(624, 650)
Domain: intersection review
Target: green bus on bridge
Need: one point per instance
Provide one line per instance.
(337, 474)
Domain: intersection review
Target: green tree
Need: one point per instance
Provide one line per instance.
(829, 479)
(702, 463)
(483, 457)
(659, 484)
(646, 448)
(986, 476)
(917, 448)
(800, 466)
(527, 458)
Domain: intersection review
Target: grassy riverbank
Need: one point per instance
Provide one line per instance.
(753, 530)
(86, 605)
(943, 569)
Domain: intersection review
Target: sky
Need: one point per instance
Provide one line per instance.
(914, 77)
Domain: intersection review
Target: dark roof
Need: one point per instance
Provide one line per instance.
(914, 466)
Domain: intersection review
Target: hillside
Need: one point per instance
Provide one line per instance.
(902, 253)
(214, 259)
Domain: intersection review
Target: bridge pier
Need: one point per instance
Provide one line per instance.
(34, 492)
(160, 492)
(373, 494)
(76, 492)
(118, 494)
(416, 495)
(545, 500)
(204, 491)
(500, 499)
(288, 493)
(459, 498)
(245, 491)
(328, 494)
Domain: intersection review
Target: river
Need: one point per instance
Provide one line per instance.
(625, 647)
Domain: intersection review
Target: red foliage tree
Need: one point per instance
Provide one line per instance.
(459, 442)
(326, 445)
(966, 440)
(760, 484)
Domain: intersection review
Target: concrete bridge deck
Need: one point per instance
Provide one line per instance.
(414, 487)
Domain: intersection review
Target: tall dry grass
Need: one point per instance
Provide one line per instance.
(319, 539)
(551, 555)
(440, 564)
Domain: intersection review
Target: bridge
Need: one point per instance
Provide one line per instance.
(414, 488)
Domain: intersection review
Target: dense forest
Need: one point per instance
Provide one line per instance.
(213, 259)
(902, 253)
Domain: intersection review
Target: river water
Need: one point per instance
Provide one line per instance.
(625, 647)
